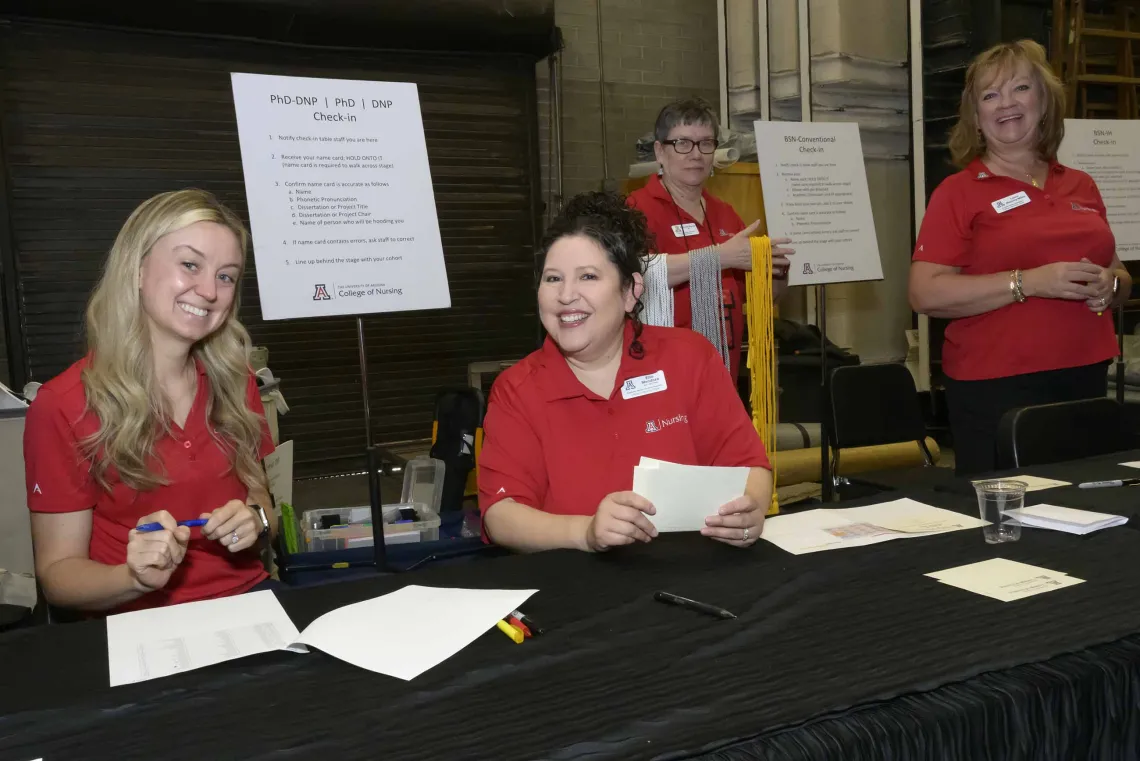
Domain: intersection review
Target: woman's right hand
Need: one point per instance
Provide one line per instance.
(153, 556)
(620, 519)
(1061, 280)
(736, 252)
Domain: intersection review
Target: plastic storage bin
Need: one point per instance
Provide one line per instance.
(345, 528)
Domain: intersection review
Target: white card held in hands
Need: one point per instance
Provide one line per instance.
(684, 495)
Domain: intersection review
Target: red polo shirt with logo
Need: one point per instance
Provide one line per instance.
(552, 444)
(199, 477)
(1064, 221)
(667, 221)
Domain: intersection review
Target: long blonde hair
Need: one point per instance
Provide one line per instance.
(120, 381)
(966, 141)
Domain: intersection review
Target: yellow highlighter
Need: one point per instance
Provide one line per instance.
(510, 631)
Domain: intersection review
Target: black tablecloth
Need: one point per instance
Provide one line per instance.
(847, 654)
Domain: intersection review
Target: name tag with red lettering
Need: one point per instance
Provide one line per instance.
(1002, 205)
(686, 230)
(643, 385)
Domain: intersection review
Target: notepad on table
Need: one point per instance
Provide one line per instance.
(1032, 483)
(684, 495)
(1065, 519)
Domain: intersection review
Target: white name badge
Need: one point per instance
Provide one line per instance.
(686, 230)
(1003, 205)
(643, 386)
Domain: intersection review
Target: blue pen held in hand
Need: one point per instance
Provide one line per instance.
(158, 526)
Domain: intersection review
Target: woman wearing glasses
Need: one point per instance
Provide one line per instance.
(700, 236)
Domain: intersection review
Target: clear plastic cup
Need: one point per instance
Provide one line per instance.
(995, 499)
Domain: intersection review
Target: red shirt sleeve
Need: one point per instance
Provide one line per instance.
(510, 464)
(723, 433)
(57, 477)
(945, 236)
(253, 399)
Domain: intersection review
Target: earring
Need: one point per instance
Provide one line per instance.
(660, 170)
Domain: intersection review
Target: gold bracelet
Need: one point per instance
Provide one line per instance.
(1015, 286)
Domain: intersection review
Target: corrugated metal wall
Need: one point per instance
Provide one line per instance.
(94, 121)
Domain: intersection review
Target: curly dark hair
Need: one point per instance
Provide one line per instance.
(619, 229)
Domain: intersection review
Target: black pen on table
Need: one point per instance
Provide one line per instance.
(1106, 484)
(684, 602)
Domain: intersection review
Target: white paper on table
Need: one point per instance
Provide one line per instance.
(910, 517)
(1133, 464)
(1065, 519)
(279, 469)
(148, 644)
(1005, 580)
(824, 529)
(1032, 483)
(373, 634)
(684, 495)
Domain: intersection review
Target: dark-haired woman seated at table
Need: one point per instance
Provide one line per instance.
(566, 426)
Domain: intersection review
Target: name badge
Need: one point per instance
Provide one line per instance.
(686, 230)
(643, 386)
(1002, 205)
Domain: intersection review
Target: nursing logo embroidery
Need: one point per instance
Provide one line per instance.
(982, 175)
(655, 426)
(321, 293)
(1078, 207)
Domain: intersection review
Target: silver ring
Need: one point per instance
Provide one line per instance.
(745, 539)
(234, 539)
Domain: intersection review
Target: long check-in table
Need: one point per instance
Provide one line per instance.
(846, 654)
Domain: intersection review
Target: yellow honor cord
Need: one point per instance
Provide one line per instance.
(762, 351)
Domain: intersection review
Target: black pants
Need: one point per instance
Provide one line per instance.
(976, 407)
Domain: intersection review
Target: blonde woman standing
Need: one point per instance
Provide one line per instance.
(161, 423)
(1015, 250)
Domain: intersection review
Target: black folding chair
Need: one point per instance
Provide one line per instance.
(874, 405)
(1050, 433)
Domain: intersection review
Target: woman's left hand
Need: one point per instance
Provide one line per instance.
(234, 525)
(738, 523)
(1102, 301)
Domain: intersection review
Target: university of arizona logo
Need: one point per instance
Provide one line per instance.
(651, 426)
(629, 385)
(321, 293)
(807, 269)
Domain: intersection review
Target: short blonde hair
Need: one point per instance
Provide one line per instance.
(966, 141)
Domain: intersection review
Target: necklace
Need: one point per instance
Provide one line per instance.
(1032, 180)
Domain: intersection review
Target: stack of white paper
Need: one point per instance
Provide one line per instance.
(373, 634)
(816, 530)
(1005, 580)
(684, 495)
(1065, 519)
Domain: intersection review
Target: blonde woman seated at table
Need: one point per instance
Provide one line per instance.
(566, 426)
(161, 423)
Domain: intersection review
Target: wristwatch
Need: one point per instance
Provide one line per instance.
(261, 515)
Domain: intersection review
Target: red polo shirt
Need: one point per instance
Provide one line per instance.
(1064, 221)
(552, 444)
(666, 223)
(200, 480)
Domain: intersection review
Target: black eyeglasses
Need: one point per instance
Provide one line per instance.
(684, 145)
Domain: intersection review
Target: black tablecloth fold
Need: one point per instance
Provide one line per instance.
(845, 654)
